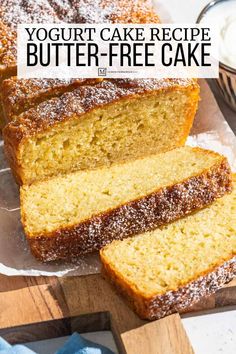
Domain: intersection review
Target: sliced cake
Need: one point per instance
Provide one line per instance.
(97, 125)
(81, 212)
(168, 270)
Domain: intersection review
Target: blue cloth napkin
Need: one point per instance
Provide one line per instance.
(6, 348)
(74, 345)
(78, 345)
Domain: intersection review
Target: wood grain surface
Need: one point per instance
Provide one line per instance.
(26, 300)
(164, 336)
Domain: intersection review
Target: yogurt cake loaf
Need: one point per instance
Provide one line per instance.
(168, 270)
(67, 216)
(96, 125)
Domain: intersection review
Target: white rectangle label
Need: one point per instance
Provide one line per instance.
(68, 51)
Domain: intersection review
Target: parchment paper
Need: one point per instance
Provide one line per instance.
(210, 131)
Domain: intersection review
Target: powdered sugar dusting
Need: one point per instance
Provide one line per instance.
(103, 11)
(94, 12)
(30, 11)
(65, 10)
(13, 12)
(77, 11)
(20, 95)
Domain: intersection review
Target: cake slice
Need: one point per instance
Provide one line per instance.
(97, 125)
(81, 212)
(168, 270)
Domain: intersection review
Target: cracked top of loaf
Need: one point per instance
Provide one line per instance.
(13, 12)
(19, 95)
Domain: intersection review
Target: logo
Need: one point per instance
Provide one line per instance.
(102, 72)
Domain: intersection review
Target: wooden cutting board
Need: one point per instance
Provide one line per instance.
(26, 300)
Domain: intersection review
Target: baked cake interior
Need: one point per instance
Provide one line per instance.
(126, 129)
(70, 199)
(166, 259)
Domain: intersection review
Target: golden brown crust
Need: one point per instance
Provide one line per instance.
(115, 11)
(2, 121)
(179, 300)
(19, 95)
(82, 100)
(7, 51)
(13, 12)
(152, 211)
